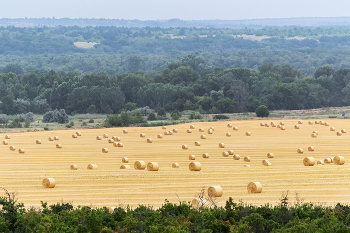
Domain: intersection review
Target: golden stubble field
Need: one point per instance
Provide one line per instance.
(110, 186)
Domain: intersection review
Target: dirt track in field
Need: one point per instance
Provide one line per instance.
(111, 186)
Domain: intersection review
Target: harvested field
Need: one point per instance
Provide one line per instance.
(110, 186)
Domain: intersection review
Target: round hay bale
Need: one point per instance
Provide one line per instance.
(195, 166)
(116, 139)
(166, 133)
(229, 125)
(152, 166)
(273, 124)
(5, 142)
(321, 122)
(175, 165)
(115, 144)
(192, 127)
(125, 131)
(98, 138)
(175, 130)
(12, 148)
(247, 134)
(267, 125)
(210, 131)
(105, 150)
(120, 144)
(300, 122)
(309, 161)
(160, 136)
(189, 131)
(192, 157)
(247, 159)
(339, 160)
(125, 160)
(311, 148)
(163, 127)
(236, 157)
(7, 136)
(228, 134)
(110, 140)
(51, 138)
(149, 140)
(230, 152)
(300, 151)
(281, 123)
(49, 183)
(201, 130)
(316, 132)
(92, 166)
(282, 127)
(124, 166)
(21, 151)
(58, 146)
(105, 135)
(170, 132)
(270, 155)
(343, 130)
(313, 135)
(320, 162)
(197, 143)
(254, 187)
(198, 202)
(142, 135)
(311, 123)
(262, 124)
(317, 122)
(327, 160)
(215, 191)
(184, 147)
(332, 129)
(225, 154)
(339, 133)
(56, 138)
(212, 128)
(235, 128)
(265, 162)
(38, 141)
(73, 167)
(74, 135)
(78, 133)
(140, 165)
(221, 145)
(245, 165)
(205, 156)
(296, 126)
(203, 136)
(326, 124)
(279, 126)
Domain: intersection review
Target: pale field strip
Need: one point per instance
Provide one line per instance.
(110, 186)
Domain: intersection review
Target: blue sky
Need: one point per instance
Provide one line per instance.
(166, 9)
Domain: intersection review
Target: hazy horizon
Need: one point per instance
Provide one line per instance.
(181, 9)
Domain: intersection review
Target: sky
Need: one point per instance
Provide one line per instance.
(169, 9)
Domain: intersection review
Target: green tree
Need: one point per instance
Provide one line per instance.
(262, 111)
(226, 105)
(152, 117)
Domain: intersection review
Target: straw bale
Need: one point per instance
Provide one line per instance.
(12, 148)
(116, 139)
(56, 138)
(149, 140)
(235, 128)
(328, 160)
(166, 133)
(339, 160)
(105, 135)
(296, 126)
(184, 147)
(273, 124)
(198, 202)
(225, 154)
(311, 122)
(125, 131)
(267, 125)
(339, 133)
(326, 124)
(163, 127)
(282, 127)
(92, 166)
(192, 157)
(262, 124)
(321, 122)
(320, 162)
(195, 166)
(281, 123)
(247, 134)
(7, 136)
(201, 130)
(210, 131)
(78, 133)
(142, 135)
(247, 159)
(74, 135)
(236, 157)
(125, 166)
(140, 165)
(212, 128)
(254, 187)
(189, 131)
(170, 132)
(49, 183)
(111, 209)
(58, 146)
(197, 143)
(98, 138)
(309, 161)
(270, 155)
(105, 150)
(230, 152)
(222, 145)
(279, 126)
(120, 144)
(300, 122)
(300, 150)
(205, 155)
(316, 132)
(245, 165)
(314, 135)
(311, 148)
(125, 160)
(110, 140)
(215, 191)
(228, 134)
(317, 122)
(21, 151)
(51, 138)
(175, 130)
(265, 162)
(343, 130)
(203, 136)
(38, 141)
(332, 129)
(152, 166)
(73, 167)
(160, 136)
(229, 125)
(175, 165)
(192, 127)
(5, 142)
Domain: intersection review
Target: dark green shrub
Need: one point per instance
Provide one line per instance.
(91, 121)
(262, 111)
(220, 117)
(59, 116)
(152, 117)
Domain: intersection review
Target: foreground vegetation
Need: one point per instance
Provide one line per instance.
(181, 217)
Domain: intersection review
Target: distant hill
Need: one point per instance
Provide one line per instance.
(235, 24)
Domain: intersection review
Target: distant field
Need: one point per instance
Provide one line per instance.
(110, 186)
(85, 45)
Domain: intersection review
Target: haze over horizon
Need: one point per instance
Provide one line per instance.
(181, 9)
